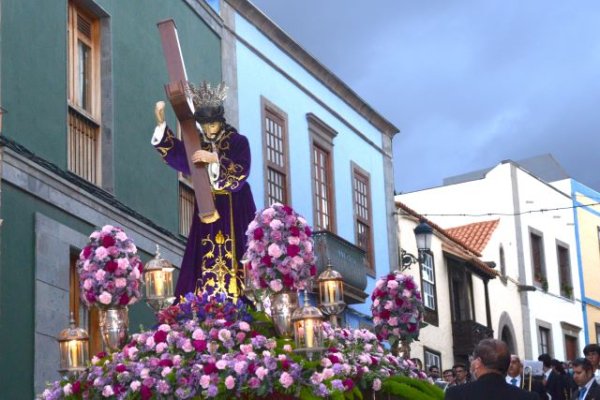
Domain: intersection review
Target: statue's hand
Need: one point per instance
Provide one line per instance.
(203, 156)
(159, 112)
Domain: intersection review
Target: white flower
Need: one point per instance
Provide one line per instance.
(68, 389)
(135, 385)
(224, 335)
(107, 391)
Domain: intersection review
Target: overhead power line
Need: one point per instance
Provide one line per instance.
(500, 214)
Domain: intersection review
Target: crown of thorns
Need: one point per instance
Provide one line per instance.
(204, 95)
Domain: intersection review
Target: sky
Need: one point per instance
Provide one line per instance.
(468, 83)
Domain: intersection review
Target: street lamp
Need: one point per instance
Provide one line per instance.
(423, 235)
(331, 293)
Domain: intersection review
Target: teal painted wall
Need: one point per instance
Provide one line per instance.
(34, 88)
(34, 72)
(17, 258)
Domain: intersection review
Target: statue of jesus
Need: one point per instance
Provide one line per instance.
(211, 261)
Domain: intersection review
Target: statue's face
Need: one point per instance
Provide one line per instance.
(211, 129)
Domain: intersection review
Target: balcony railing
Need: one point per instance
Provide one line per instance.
(84, 146)
(466, 334)
(346, 258)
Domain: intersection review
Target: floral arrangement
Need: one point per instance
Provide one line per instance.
(110, 272)
(397, 308)
(222, 358)
(280, 250)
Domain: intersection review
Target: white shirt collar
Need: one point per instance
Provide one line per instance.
(510, 378)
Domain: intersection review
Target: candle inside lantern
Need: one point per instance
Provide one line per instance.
(310, 333)
(73, 353)
(159, 284)
(331, 290)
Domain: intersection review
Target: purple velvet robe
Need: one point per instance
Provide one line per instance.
(213, 251)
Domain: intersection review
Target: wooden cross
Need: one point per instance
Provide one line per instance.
(183, 107)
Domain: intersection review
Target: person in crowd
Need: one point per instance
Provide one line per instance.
(592, 353)
(434, 372)
(515, 377)
(567, 383)
(489, 365)
(583, 375)
(418, 363)
(461, 375)
(448, 376)
(553, 384)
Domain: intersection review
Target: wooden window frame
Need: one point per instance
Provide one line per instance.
(537, 280)
(357, 173)
(547, 327)
(184, 188)
(431, 314)
(321, 138)
(564, 271)
(76, 307)
(82, 119)
(269, 109)
(433, 353)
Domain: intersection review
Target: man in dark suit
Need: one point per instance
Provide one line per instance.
(489, 365)
(583, 375)
(553, 383)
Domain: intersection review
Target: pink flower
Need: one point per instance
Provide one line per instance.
(276, 285)
(244, 326)
(261, 372)
(105, 297)
(276, 224)
(121, 236)
(230, 382)
(107, 228)
(205, 381)
(392, 284)
(240, 367)
(286, 380)
(221, 364)
(101, 252)
(274, 250)
(120, 282)
(107, 391)
(294, 240)
(253, 382)
(87, 284)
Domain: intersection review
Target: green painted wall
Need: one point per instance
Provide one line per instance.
(34, 88)
(17, 290)
(34, 72)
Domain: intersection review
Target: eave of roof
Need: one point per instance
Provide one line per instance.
(469, 254)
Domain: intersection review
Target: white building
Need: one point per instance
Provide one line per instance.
(533, 246)
(454, 283)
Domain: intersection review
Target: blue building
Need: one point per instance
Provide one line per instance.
(316, 145)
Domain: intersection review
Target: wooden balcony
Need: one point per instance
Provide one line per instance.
(346, 258)
(466, 334)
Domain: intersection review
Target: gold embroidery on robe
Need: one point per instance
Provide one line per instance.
(168, 143)
(219, 249)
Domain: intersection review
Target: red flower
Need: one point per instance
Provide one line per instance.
(90, 297)
(140, 266)
(288, 210)
(87, 251)
(108, 241)
(160, 336)
(285, 364)
(333, 358)
(210, 368)
(145, 392)
(391, 277)
(288, 281)
(373, 360)
(293, 250)
(124, 299)
(120, 368)
(266, 261)
(165, 363)
(409, 284)
(258, 233)
(307, 231)
(111, 266)
(384, 314)
(399, 301)
(348, 383)
(412, 328)
(313, 270)
(199, 345)
(251, 368)
(294, 231)
(76, 387)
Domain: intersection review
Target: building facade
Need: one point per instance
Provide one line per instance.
(534, 247)
(316, 146)
(79, 80)
(454, 284)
